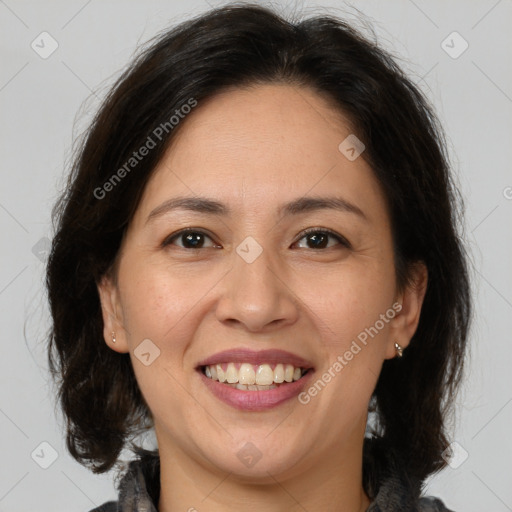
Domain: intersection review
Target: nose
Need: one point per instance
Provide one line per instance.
(258, 295)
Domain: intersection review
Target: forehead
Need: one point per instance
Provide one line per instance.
(260, 144)
(266, 116)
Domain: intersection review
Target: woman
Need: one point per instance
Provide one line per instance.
(258, 247)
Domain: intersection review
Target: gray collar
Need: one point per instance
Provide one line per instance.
(385, 477)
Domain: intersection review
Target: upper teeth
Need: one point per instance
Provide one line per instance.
(247, 373)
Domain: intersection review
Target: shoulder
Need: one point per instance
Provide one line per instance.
(431, 504)
(108, 506)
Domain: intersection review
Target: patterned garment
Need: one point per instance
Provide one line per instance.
(388, 484)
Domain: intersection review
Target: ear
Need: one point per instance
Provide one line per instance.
(112, 315)
(404, 324)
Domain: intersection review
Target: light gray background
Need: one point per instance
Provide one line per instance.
(39, 100)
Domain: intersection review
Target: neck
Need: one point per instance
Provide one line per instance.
(327, 483)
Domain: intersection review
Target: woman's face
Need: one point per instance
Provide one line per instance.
(249, 278)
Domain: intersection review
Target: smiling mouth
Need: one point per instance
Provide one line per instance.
(249, 377)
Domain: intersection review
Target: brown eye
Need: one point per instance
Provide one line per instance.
(189, 238)
(319, 238)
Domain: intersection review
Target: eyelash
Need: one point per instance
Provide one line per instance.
(343, 241)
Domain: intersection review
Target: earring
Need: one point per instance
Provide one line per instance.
(399, 350)
(113, 337)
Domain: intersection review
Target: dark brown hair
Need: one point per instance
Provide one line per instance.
(236, 46)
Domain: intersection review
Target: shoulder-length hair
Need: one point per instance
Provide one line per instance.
(238, 46)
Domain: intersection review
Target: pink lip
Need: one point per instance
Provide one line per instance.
(256, 400)
(242, 355)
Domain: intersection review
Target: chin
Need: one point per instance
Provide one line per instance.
(254, 457)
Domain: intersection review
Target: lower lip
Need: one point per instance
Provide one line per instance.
(256, 400)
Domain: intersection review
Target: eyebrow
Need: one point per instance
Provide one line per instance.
(295, 207)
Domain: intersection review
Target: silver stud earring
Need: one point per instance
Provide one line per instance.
(113, 337)
(399, 350)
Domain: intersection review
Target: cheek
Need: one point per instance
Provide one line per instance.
(354, 320)
(156, 300)
(158, 305)
(350, 299)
